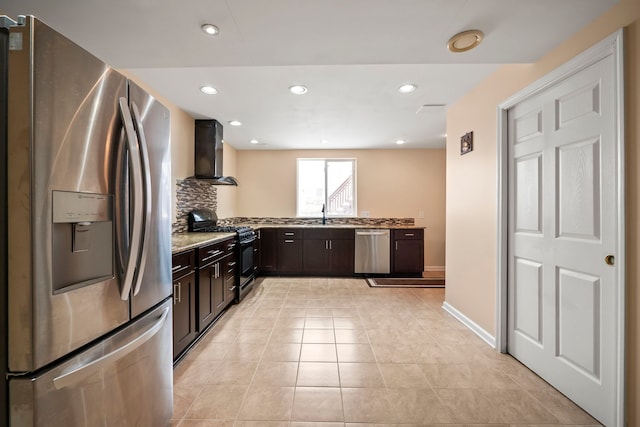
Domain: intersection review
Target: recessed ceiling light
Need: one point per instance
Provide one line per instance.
(324, 141)
(210, 29)
(465, 41)
(235, 123)
(298, 89)
(408, 88)
(254, 141)
(400, 141)
(209, 90)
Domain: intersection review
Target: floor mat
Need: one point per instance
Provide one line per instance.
(424, 282)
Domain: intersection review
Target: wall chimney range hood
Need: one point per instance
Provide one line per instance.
(208, 153)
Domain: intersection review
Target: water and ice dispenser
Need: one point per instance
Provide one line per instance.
(83, 239)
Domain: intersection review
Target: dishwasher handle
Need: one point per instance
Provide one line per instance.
(372, 233)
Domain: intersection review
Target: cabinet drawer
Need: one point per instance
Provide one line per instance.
(230, 266)
(230, 246)
(289, 233)
(411, 234)
(183, 263)
(209, 253)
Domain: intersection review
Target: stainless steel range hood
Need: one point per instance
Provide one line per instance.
(208, 153)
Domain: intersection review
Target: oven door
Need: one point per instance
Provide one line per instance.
(247, 271)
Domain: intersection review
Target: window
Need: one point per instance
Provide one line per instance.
(328, 182)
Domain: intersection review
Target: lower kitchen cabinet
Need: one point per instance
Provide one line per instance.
(342, 256)
(229, 267)
(213, 296)
(267, 248)
(328, 251)
(289, 251)
(184, 301)
(204, 284)
(408, 252)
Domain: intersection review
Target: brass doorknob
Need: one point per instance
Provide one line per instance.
(609, 259)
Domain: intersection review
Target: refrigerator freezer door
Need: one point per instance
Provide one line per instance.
(153, 118)
(63, 132)
(124, 380)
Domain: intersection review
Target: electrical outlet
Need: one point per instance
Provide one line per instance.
(420, 214)
(364, 214)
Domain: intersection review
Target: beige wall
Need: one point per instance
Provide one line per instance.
(390, 183)
(471, 216)
(227, 194)
(182, 133)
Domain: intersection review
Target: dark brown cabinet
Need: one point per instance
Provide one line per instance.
(213, 296)
(184, 301)
(229, 267)
(267, 248)
(289, 251)
(408, 252)
(328, 251)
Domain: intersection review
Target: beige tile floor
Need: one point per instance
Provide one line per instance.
(305, 352)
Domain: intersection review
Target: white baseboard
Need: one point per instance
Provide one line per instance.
(475, 328)
(434, 268)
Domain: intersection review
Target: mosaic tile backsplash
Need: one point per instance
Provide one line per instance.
(388, 222)
(195, 194)
(192, 194)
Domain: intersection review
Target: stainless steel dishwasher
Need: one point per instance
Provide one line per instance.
(372, 251)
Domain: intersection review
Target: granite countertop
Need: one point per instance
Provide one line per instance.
(184, 241)
(390, 227)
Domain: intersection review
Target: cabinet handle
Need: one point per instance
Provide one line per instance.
(233, 288)
(289, 234)
(396, 245)
(409, 234)
(326, 245)
(232, 264)
(176, 293)
(330, 248)
(212, 254)
(289, 241)
(259, 235)
(175, 268)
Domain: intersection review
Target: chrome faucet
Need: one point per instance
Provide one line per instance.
(324, 215)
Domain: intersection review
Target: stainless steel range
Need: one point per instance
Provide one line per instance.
(205, 220)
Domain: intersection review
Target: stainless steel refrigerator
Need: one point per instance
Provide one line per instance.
(86, 239)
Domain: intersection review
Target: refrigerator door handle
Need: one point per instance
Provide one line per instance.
(147, 202)
(73, 377)
(137, 207)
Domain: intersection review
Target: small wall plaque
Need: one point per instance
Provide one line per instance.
(466, 143)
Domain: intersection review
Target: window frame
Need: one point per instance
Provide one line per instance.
(354, 169)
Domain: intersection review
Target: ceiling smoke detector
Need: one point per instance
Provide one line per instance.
(465, 41)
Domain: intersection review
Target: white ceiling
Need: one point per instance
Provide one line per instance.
(351, 54)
